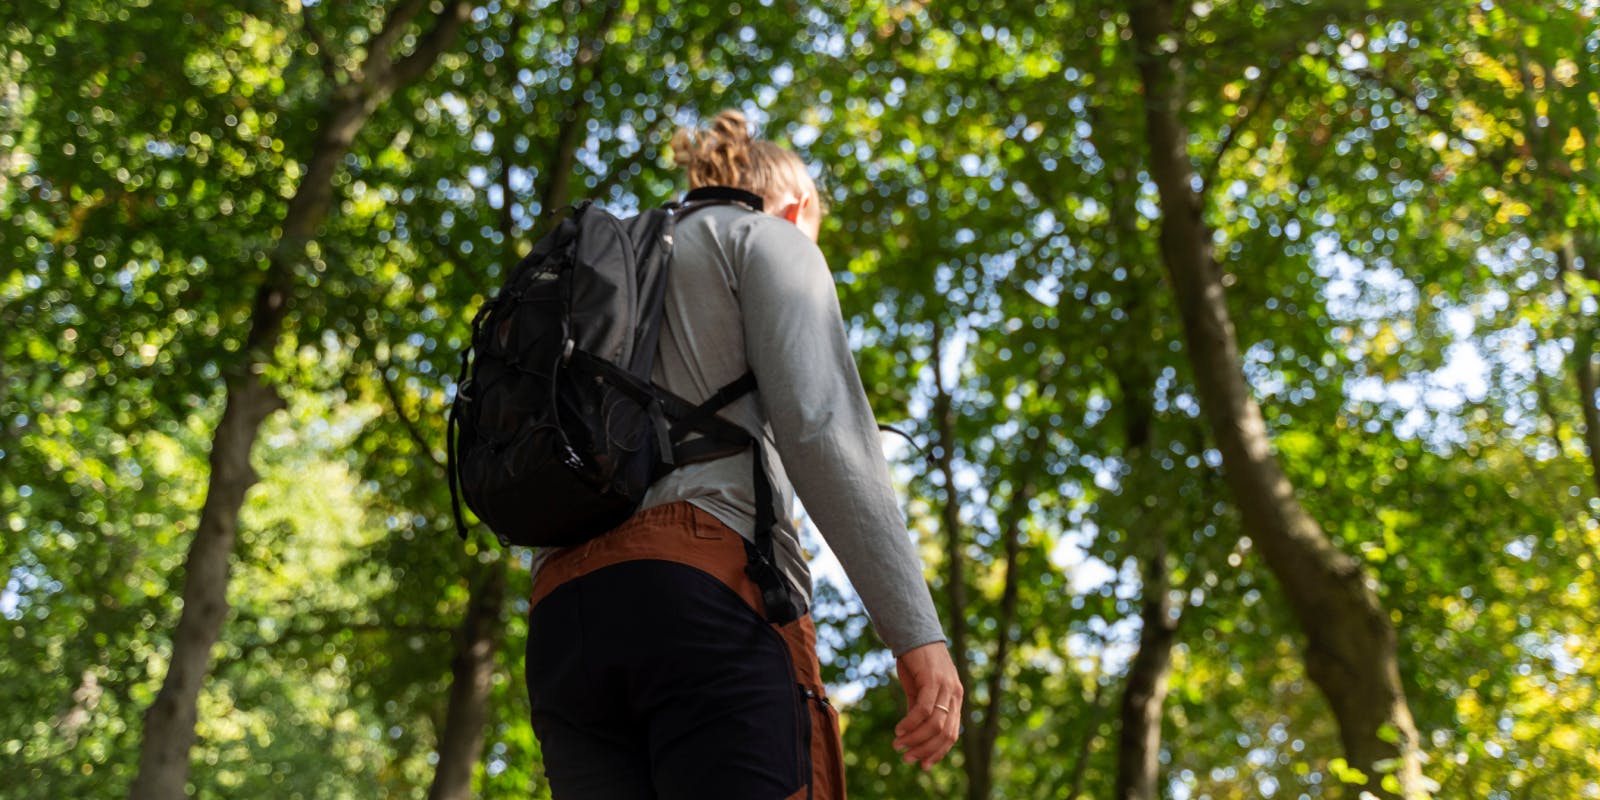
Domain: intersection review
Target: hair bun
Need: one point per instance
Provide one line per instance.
(718, 155)
(725, 154)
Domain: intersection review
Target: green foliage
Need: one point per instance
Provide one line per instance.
(1404, 206)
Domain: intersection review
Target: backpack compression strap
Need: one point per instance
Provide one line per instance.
(719, 438)
(718, 434)
(453, 425)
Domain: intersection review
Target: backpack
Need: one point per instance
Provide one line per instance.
(556, 430)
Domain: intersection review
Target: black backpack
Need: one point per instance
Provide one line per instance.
(556, 431)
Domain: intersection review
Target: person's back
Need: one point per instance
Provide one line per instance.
(651, 667)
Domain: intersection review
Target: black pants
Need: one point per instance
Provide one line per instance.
(653, 678)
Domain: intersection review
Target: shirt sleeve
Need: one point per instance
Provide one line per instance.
(825, 432)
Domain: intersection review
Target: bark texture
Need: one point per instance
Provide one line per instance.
(472, 678)
(1350, 649)
(980, 765)
(1145, 696)
(1583, 351)
(169, 723)
(955, 557)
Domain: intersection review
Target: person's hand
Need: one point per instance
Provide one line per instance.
(933, 702)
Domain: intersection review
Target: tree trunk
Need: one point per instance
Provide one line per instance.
(1139, 743)
(1145, 691)
(170, 721)
(955, 557)
(1350, 650)
(472, 671)
(1583, 340)
(1145, 695)
(1080, 764)
(980, 766)
(472, 678)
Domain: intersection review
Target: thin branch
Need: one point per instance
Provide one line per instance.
(955, 563)
(247, 649)
(1541, 387)
(1497, 158)
(504, 148)
(1012, 535)
(1209, 172)
(1080, 765)
(405, 420)
(1583, 372)
(429, 47)
(380, 45)
(620, 170)
(330, 67)
(585, 74)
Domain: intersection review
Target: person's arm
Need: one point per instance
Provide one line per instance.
(828, 440)
(825, 432)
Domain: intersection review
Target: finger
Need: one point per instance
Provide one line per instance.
(942, 717)
(928, 754)
(947, 740)
(915, 743)
(937, 744)
(919, 707)
(931, 750)
(920, 716)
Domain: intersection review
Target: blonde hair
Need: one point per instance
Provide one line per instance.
(725, 154)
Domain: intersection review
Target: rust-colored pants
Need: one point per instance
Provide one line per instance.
(652, 672)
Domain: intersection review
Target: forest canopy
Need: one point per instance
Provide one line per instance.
(1250, 351)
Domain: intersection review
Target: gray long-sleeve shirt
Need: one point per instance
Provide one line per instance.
(750, 291)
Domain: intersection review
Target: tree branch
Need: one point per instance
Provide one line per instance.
(1495, 158)
(1080, 765)
(1208, 172)
(950, 513)
(619, 170)
(429, 47)
(380, 45)
(1011, 534)
(405, 420)
(557, 191)
(330, 68)
(248, 648)
(503, 139)
(1541, 388)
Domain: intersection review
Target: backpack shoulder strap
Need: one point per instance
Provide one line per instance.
(721, 438)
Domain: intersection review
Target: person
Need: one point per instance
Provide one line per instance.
(652, 669)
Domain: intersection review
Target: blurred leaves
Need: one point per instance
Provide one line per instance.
(1405, 212)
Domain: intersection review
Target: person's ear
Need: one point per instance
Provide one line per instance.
(791, 210)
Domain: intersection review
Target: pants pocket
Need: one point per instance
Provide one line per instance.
(826, 751)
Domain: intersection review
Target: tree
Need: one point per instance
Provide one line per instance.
(1395, 201)
(1351, 646)
(251, 397)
